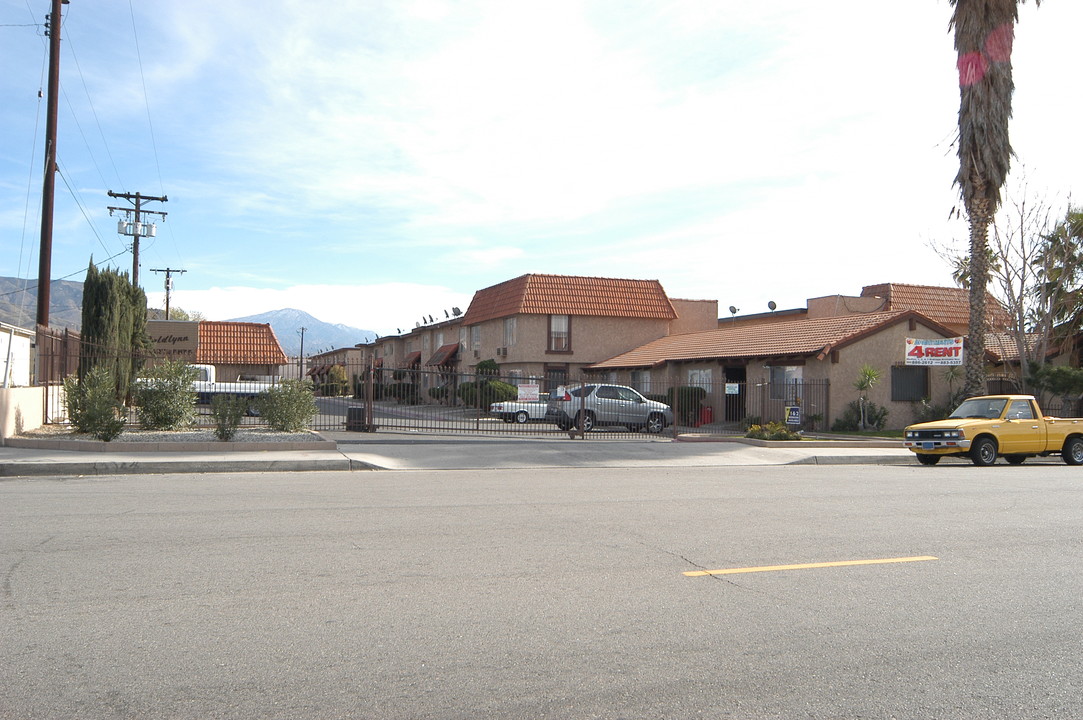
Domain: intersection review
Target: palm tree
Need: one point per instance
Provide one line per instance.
(984, 30)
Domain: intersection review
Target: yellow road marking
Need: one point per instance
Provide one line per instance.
(840, 563)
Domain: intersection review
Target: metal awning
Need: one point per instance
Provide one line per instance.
(445, 355)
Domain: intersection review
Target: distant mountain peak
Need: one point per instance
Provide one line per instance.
(319, 336)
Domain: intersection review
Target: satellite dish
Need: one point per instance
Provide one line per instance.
(771, 305)
(456, 311)
(733, 310)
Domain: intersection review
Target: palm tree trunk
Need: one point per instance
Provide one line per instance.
(978, 212)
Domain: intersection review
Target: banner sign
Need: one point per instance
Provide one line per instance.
(941, 351)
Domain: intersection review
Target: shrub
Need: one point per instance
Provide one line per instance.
(227, 411)
(850, 420)
(165, 397)
(288, 406)
(772, 431)
(483, 393)
(405, 393)
(92, 403)
(440, 393)
(689, 398)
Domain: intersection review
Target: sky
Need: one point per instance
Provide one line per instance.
(373, 163)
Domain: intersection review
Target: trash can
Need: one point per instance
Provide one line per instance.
(355, 419)
(706, 415)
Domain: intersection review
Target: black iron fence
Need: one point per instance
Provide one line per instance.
(416, 400)
(362, 399)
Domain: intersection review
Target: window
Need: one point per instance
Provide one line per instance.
(560, 335)
(555, 376)
(909, 383)
(782, 378)
(425, 344)
(515, 377)
(700, 378)
(641, 380)
(1020, 410)
(475, 337)
(440, 339)
(509, 331)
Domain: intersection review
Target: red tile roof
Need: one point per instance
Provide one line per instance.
(946, 305)
(570, 295)
(788, 338)
(238, 343)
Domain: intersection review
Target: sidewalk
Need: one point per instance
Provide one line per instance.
(347, 451)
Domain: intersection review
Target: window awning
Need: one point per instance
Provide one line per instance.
(445, 355)
(412, 359)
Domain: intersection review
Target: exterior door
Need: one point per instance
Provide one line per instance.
(1021, 431)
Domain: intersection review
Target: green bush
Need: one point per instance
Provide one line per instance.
(405, 393)
(850, 420)
(439, 394)
(772, 431)
(288, 406)
(483, 393)
(92, 403)
(165, 397)
(227, 411)
(687, 403)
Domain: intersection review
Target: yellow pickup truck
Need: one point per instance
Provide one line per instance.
(984, 428)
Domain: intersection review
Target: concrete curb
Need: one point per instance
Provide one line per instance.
(164, 467)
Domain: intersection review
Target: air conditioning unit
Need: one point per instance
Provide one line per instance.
(502, 351)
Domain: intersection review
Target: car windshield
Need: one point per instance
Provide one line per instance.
(989, 408)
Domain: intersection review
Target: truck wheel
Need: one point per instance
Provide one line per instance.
(1072, 453)
(928, 459)
(984, 452)
(522, 417)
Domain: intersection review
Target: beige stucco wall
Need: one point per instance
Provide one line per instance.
(592, 339)
(21, 409)
(694, 316)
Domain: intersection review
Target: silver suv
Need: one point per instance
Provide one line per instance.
(590, 406)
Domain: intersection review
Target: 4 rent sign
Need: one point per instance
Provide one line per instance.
(939, 351)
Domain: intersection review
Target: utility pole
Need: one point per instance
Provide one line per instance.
(45, 255)
(301, 358)
(168, 284)
(138, 228)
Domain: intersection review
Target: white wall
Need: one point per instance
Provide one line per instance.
(21, 409)
(14, 359)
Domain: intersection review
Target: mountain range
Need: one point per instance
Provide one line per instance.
(319, 336)
(18, 306)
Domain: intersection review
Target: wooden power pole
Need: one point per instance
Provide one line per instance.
(45, 254)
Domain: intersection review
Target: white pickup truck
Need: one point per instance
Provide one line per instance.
(207, 386)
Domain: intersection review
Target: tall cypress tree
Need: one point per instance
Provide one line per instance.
(114, 326)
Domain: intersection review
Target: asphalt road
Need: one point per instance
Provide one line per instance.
(556, 593)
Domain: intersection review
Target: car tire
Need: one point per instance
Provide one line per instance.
(983, 452)
(585, 422)
(656, 423)
(1072, 453)
(928, 459)
(507, 418)
(522, 417)
(564, 425)
(1015, 459)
